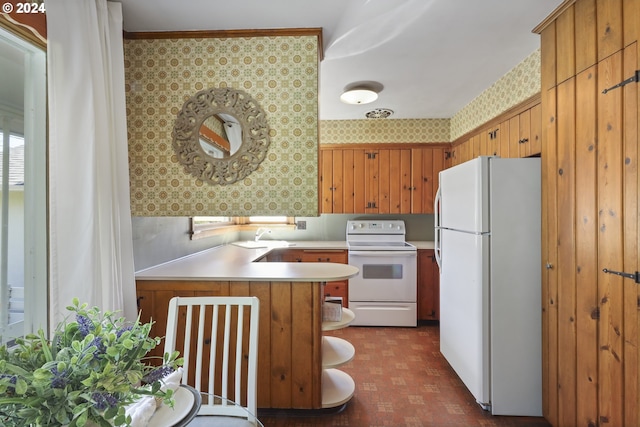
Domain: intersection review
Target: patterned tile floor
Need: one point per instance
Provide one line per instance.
(401, 380)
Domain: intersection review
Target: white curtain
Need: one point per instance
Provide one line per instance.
(91, 249)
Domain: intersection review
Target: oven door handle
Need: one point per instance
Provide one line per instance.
(386, 254)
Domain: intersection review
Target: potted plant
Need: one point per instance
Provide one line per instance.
(87, 373)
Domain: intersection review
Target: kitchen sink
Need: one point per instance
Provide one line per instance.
(252, 244)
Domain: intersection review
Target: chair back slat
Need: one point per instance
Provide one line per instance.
(219, 351)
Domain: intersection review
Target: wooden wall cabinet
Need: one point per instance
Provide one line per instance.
(516, 133)
(380, 179)
(591, 217)
(428, 286)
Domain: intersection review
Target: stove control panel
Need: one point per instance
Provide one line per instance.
(376, 227)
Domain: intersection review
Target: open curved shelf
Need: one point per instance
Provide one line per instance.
(337, 388)
(336, 352)
(347, 317)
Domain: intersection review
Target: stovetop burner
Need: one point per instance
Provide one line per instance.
(381, 235)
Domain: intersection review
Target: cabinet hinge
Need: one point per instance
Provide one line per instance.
(634, 78)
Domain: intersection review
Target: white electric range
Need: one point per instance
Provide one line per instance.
(384, 293)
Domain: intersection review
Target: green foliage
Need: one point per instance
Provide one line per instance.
(90, 370)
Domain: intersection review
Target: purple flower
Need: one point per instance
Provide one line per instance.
(123, 330)
(85, 325)
(157, 374)
(97, 341)
(59, 378)
(104, 400)
(12, 380)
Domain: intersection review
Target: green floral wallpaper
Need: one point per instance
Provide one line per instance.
(518, 85)
(384, 131)
(280, 72)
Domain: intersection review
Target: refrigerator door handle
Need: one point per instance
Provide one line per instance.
(436, 246)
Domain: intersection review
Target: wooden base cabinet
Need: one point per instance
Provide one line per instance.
(428, 286)
(290, 371)
(340, 256)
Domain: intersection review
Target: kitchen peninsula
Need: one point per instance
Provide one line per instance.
(290, 293)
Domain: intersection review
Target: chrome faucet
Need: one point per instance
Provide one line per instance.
(260, 231)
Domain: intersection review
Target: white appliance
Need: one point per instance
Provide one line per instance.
(384, 293)
(487, 244)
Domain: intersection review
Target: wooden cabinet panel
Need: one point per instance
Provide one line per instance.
(290, 338)
(524, 139)
(609, 27)
(348, 170)
(535, 134)
(548, 57)
(504, 134)
(514, 136)
(590, 218)
(380, 180)
(340, 256)
(426, 166)
(586, 52)
(371, 182)
(327, 175)
(565, 44)
(428, 286)
(359, 198)
(384, 181)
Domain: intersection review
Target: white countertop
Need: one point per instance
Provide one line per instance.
(235, 263)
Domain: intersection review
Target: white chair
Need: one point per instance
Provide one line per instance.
(218, 339)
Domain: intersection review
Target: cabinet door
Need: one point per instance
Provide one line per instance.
(514, 136)
(428, 286)
(338, 289)
(326, 181)
(384, 180)
(394, 181)
(359, 179)
(485, 147)
(535, 138)
(493, 137)
(400, 181)
(371, 183)
(503, 139)
(475, 146)
(335, 289)
(524, 140)
(348, 184)
(426, 166)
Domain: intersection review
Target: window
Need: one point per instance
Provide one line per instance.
(205, 226)
(269, 220)
(23, 197)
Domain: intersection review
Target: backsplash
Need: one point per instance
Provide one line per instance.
(280, 72)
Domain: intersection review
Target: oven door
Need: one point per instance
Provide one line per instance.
(383, 276)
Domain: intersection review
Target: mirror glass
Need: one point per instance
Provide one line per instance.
(221, 135)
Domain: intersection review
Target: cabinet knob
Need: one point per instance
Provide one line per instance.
(548, 266)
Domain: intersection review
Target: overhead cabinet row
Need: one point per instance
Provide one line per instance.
(511, 135)
(379, 180)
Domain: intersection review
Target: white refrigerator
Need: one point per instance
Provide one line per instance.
(487, 243)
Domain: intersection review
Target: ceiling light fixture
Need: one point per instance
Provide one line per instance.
(359, 96)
